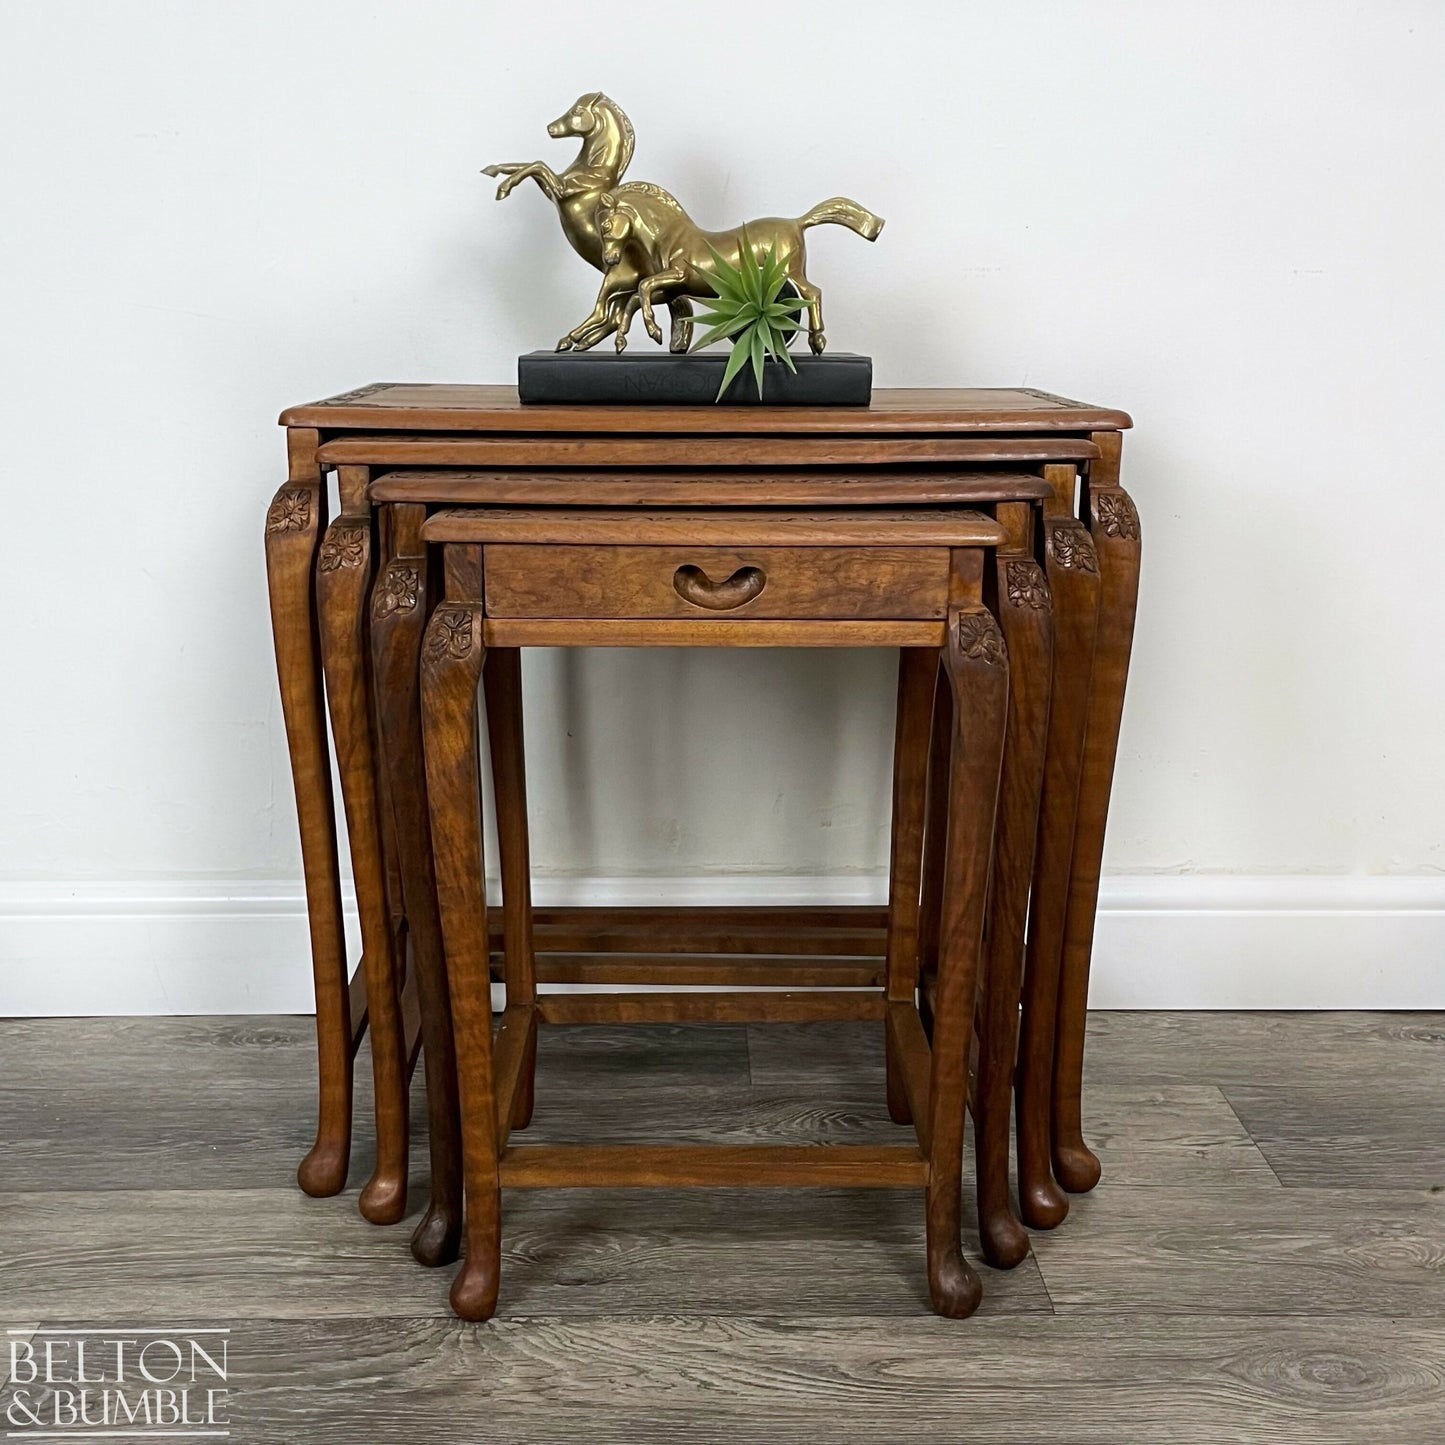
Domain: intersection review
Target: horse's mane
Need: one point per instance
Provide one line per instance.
(647, 188)
(629, 140)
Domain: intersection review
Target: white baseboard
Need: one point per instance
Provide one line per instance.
(1170, 941)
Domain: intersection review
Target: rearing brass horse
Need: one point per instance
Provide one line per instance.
(578, 193)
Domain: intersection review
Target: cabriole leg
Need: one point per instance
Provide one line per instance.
(1114, 523)
(1073, 578)
(975, 661)
(1022, 599)
(343, 578)
(398, 620)
(451, 670)
(294, 523)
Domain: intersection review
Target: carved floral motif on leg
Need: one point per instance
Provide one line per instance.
(1116, 514)
(1073, 547)
(398, 591)
(979, 637)
(1027, 586)
(343, 546)
(290, 511)
(450, 634)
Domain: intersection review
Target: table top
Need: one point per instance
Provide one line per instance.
(775, 527)
(446, 406)
(650, 487)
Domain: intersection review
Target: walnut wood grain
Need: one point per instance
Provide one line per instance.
(635, 450)
(975, 661)
(766, 971)
(768, 928)
(356, 480)
(451, 669)
(502, 698)
(445, 406)
(343, 579)
(910, 1057)
(691, 582)
(775, 487)
(712, 631)
(295, 520)
(1073, 578)
(398, 621)
(721, 1008)
(847, 929)
(356, 998)
(698, 527)
(725, 592)
(927, 435)
(917, 676)
(621, 1166)
(979, 677)
(1114, 524)
(410, 1001)
(1026, 620)
(935, 842)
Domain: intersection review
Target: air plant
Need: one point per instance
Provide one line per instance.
(749, 306)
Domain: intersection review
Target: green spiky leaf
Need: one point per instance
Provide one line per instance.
(757, 351)
(721, 316)
(779, 348)
(735, 364)
(718, 333)
(746, 308)
(725, 305)
(754, 273)
(727, 281)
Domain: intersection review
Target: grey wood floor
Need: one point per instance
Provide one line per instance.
(1265, 1260)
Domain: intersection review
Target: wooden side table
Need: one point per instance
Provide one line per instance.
(402, 498)
(910, 578)
(620, 456)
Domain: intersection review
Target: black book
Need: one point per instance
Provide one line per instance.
(664, 378)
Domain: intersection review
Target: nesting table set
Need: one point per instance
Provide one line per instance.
(981, 533)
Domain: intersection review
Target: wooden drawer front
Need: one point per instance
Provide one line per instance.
(701, 582)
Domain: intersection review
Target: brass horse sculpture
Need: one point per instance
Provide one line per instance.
(653, 249)
(579, 192)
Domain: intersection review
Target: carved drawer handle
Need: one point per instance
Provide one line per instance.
(693, 585)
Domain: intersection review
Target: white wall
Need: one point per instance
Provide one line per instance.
(1225, 218)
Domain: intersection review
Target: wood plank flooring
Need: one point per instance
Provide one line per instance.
(1264, 1261)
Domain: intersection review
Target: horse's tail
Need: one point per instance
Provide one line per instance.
(841, 211)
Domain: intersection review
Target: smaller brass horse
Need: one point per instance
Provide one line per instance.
(653, 250)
